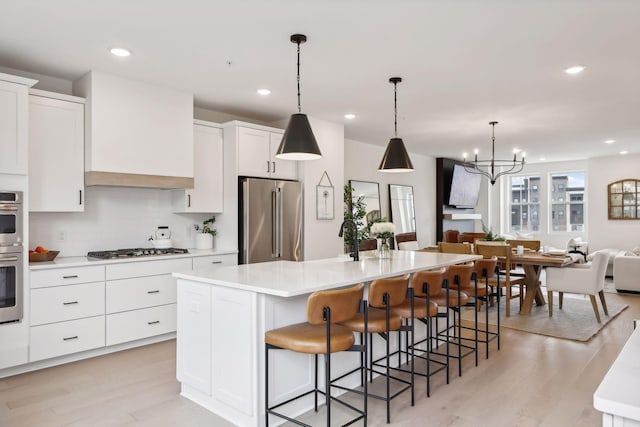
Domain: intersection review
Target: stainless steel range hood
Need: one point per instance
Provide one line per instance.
(115, 179)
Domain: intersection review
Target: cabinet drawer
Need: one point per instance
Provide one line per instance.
(147, 268)
(60, 303)
(140, 292)
(207, 261)
(66, 276)
(137, 324)
(62, 338)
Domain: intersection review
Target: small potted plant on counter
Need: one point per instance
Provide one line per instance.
(205, 233)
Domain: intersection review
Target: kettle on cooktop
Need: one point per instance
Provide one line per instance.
(162, 238)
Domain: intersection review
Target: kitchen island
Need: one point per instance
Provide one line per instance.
(223, 313)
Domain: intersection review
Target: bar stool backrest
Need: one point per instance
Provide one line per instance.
(462, 272)
(395, 287)
(433, 278)
(343, 303)
(485, 267)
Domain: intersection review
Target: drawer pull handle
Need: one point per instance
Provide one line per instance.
(75, 276)
(75, 337)
(70, 303)
(153, 292)
(153, 322)
(216, 262)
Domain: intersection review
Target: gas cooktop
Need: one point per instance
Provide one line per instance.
(135, 252)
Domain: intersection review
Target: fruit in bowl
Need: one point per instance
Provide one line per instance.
(40, 254)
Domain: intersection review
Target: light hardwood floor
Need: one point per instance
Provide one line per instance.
(532, 381)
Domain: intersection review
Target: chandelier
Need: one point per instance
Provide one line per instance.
(489, 168)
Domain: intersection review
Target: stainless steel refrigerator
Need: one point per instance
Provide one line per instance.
(270, 220)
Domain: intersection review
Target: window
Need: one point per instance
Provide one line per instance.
(525, 207)
(567, 202)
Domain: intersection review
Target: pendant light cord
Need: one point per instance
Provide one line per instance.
(299, 109)
(395, 109)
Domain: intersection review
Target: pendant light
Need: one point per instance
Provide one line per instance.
(396, 158)
(298, 142)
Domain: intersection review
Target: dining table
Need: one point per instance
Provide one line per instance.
(532, 263)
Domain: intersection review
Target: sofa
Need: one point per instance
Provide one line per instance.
(626, 271)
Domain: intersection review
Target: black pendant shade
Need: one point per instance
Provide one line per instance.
(396, 158)
(298, 141)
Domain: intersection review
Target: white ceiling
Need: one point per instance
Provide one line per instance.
(464, 63)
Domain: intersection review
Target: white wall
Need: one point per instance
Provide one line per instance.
(116, 218)
(605, 233)
(361, 161)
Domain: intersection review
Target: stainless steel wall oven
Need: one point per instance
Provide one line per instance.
(11, 256)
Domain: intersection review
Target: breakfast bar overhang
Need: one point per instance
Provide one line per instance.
(223, 313)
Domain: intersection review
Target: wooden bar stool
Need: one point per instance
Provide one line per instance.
(321, 334)
(388, 301)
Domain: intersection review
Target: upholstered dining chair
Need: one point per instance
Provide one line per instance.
(533, 245)
(368, 245)
(407, 241)
(470, 237)
(450, 236)
(579, 279)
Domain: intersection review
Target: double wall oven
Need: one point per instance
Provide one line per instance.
(11, 256)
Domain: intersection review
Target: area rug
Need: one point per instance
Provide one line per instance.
(576, 321)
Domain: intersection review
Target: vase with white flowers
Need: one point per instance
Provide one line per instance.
(383, 231)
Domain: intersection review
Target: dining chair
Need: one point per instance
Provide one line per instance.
(368, 245)
(579, 279)
(530, 244)
(451, 236)
(470, 237)
(454, 248)
(502, 280)
(407, 241)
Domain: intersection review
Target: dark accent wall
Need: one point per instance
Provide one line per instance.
(444, 175)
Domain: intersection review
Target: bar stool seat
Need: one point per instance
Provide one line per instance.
(420, 309)
(311, 339)
(453, 300)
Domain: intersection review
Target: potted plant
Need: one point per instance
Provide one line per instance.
(205, 233)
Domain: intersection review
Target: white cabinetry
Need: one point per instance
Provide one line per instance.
(13, 123)
(256, 147)
(56, 152)
(214, 260)
(67, 311)
(207, 192)
(141, 299)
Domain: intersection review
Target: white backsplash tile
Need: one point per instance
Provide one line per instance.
(115, 218)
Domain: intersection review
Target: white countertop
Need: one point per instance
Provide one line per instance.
(619, 391)
(80, 261)
(290, 278)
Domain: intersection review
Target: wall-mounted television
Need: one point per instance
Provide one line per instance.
(465, 188)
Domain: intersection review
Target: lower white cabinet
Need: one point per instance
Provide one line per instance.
(58, 339)
(143, 323)
(140, 292)
(61, 303)
(213, 260)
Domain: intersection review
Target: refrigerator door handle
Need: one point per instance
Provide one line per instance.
(280, 218)
(274, 226)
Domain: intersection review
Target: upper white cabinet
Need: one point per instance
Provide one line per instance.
(207, 192)
(137, 129)
(256, 147)
(56, 153)
(13, 123)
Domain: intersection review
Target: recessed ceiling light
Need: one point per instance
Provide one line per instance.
(575, 69)
(610, 141)
(624, 152)
(542, 159)
(349, 116)
(264, 92)
(120, 51)
(516, 150)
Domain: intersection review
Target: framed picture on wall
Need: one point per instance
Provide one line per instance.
(324, 202)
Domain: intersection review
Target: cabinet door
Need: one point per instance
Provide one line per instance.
(13, 128)
(206, 195)
(253, 153)
(281, 169)
(56, 155)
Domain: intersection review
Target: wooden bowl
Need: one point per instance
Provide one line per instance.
(41, 257)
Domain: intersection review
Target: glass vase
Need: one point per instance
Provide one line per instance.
(384, 250)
